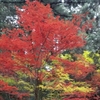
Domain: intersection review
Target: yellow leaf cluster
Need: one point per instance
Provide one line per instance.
(87, 58)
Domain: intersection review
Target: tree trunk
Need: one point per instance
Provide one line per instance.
(1, 98)
(38, 92)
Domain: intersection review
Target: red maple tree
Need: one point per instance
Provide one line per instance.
(39, 36)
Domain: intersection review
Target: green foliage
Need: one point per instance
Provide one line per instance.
(6, 10)
(22, 84)
(9, 80)
(25, 87)
(66, 56)
(93, 41)
(8, 14)
(49, 1)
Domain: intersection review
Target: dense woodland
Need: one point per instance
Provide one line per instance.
(49, 50)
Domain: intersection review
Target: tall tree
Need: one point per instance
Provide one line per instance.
(38, 41)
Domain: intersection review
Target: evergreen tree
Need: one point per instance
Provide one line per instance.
(8, 12)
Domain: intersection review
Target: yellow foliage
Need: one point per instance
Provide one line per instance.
(66, 56)
(9, 80)
(68, 89)
(61, 74)
(87, 58)
(25, 86)
(98, 71)
(78, 88)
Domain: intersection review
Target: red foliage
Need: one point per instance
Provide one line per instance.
(78, 21)
(76, 99)
(11, 90)
(96, 80)
(41, 35)
(78, 69)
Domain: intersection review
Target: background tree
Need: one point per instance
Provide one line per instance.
(8, 12)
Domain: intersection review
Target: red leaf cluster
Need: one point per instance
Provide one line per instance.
(41, 36)
(11, 90)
